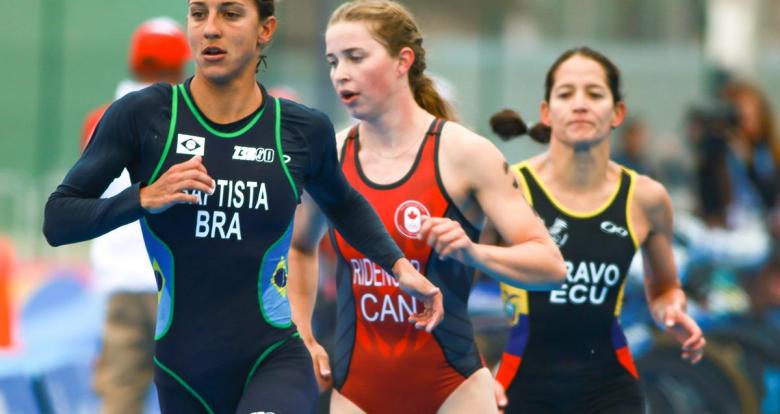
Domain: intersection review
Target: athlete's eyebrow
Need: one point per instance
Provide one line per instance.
(230, 4)
(348, 52)
(221, 5)
(566, 86)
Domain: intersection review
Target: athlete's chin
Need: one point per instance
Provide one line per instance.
(358, 113)
(217, 74)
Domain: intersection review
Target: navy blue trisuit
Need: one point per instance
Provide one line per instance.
(225, 342)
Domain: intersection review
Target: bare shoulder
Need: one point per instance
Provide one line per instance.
(466, 148)
(649, 192)
(653, 199)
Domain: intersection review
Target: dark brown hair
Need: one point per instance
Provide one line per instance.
(392, 25)
(508, 123)
(265, 9)
(768, 131)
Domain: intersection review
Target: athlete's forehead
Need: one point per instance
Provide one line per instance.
(343, 37)
(580, 71)
(220, 3)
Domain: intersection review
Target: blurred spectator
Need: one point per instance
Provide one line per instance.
(764, 289)
(755, 145)
(631, 148)
(123, 373)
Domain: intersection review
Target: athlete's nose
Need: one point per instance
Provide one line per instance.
(578, 103)
(339, 73)
(211, 29)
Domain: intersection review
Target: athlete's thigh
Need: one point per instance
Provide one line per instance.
(284, 383)
(622, 396)
(174, 398)
(340, 404)
(475, 395)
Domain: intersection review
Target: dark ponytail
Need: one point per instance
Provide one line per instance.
(508, 124)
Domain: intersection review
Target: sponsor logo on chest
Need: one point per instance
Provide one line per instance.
(609, 227)
(558, 231)
(190, 145)
(257, 154)
(408, 218)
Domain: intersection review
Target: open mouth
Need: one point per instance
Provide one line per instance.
(213, 51)
(348, 96)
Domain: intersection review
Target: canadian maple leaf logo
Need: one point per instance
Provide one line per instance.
(412, 215)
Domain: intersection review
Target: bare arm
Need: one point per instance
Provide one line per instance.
(665, 297)
(529, 260)
(302, 286)
(309, 228)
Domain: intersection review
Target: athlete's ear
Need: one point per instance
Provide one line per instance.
(619, 114)
(266, 30)
(544, 111)
(405, 60)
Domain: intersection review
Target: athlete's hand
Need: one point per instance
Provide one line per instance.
(449, 239)
(685, 330)
(321, 362)
(500, 394)
(418, 286)
(169, 189)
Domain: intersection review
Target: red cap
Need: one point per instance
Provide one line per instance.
(158, 44)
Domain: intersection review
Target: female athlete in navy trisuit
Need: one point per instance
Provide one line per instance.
(567, 352)
(218, 167)
(432, 182)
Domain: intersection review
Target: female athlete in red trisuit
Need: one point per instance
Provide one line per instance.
(432, 182)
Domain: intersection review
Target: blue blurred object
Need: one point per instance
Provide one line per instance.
(68, 391)
(152, 406)
(17, 396)
(60, 324)
(771, 401)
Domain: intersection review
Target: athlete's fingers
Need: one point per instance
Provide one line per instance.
(691, 330)
(693, 356)
(427, 223)
(460, 244)
(323, 371)
(195, 175)
(185, 185)
(438, 312)
(670, 316)
(183, 198)
(324, 366)
(438, 226)
(500, 394)
(445, 240)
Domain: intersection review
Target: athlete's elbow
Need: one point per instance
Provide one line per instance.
(558, 272)
(52, 234)
(52, 227)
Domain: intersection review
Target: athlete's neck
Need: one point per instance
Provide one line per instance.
(578, 168)
(228, 102)
(397, 128)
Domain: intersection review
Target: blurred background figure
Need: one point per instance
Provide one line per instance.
(755, 146)
(123, 373)
(158, 52)
(631, 146)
